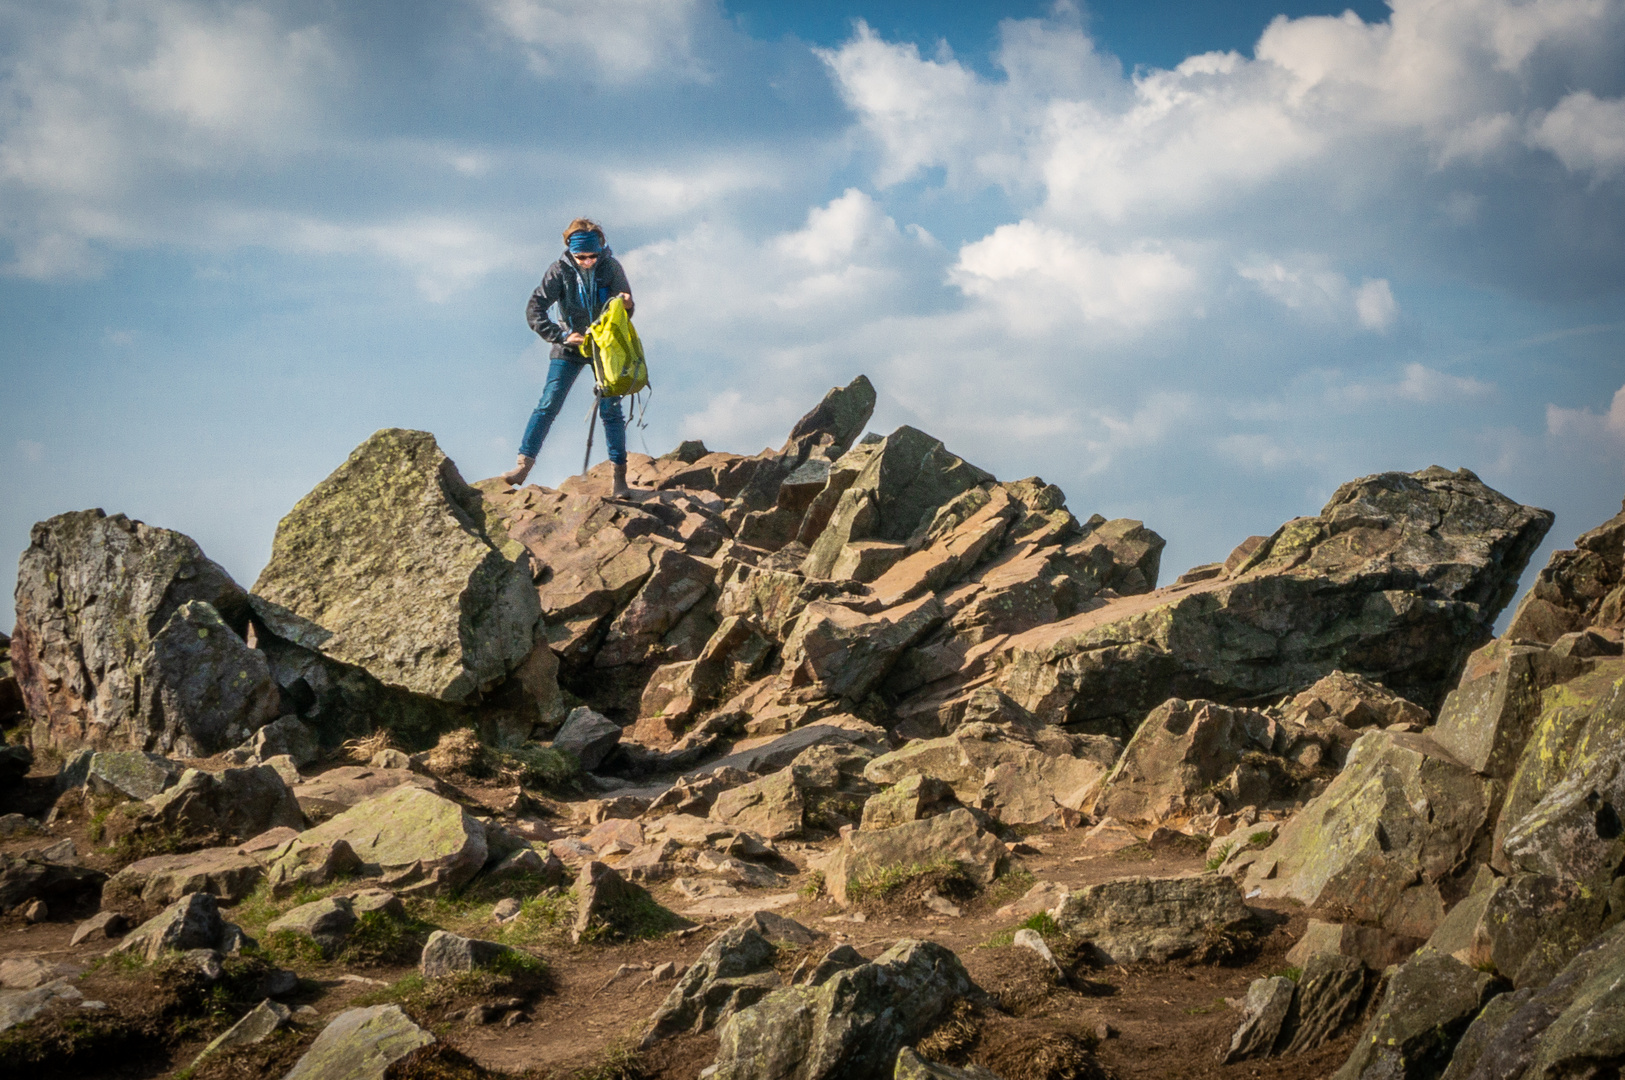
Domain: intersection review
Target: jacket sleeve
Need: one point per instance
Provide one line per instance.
(549, 292)
(618, 283)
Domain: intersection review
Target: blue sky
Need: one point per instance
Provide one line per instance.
(1196, 263)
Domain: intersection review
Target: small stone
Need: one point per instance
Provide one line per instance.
(506, 910)
(36, 912)
(665, 972)
(515, 1017)
(941, 905)
(94, 1006)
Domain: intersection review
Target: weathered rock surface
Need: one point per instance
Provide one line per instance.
(1391, 841)
(232, 803)
(606, 903)
(1398, 578)
(285, 735)
(257, 1025)
(1571, 1027)
(734, 971)
(35, 875)
(423, 842)
(20, 1006)
(1157, 919)
(1022, 776)
(771, 807)
(1330, 995)
(1577, 588)
(1264, 1014)
(587, 735)
(1427, 1007)
(94, 593)
(192, 922)
(133, 774)
(853, 1025)
(911, 1066)
(390, 557)
(360, 1044)
(952, 837)
(163, 879)
(336, 790)
(450, 954)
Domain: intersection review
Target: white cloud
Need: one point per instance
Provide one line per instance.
(1419, 385)
(1374, 303)
(30, 450)
(1586, 425)
(1257, 451)
(1453, 79)
(1040, 276)
(1585, 133)
(623, 42)
(1321, 294)
(447, 255)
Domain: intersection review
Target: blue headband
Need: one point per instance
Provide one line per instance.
(586, 243)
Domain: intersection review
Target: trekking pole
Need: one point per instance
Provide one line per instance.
(592, 412)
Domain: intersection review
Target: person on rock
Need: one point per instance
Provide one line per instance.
(579, 285)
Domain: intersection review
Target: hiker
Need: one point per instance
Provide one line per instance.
(580, 283)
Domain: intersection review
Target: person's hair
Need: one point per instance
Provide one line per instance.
(582, 224)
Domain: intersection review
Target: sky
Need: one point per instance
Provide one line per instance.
(1196, 263)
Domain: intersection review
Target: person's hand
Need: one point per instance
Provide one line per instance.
(575, 339)
(626, 298)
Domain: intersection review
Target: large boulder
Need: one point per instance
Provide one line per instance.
(1156, 919)
(1390, 842)
(830, 428)
(360, 1044)
(771, 807)
(425, 842)
(234, 803)
(1183, 754)
(192, 922)
(390, 557)
(587, 736)
(1427, 1007)
(94, 593)
(1573, 1026)
(851, 1026)
(132, 774)
(1398, 578)
(452, 954)
(1486, 720)
(951, 838)
(836, 652)
(56, 878)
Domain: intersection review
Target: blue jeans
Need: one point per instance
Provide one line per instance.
(560, 377)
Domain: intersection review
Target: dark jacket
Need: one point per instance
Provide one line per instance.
(561, 285)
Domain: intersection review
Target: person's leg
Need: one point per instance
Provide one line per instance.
(609, 410)
(561, 375)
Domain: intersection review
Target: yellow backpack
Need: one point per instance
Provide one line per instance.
(617, 353)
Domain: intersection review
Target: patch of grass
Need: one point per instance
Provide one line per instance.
(537, 766)
(260, 908)
(831, 810)
(1211, 1007)
(1261, 839)
(953, 1035)
(1040, 921)
(122, 963)
(1220, 856)
(619, 1060)
(1010, 885)
(290, 948)
(1137, 853)
(633, 918)
(1293, 973)
(377, 938)
(814, 886)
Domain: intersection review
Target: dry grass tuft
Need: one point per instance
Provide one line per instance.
(460, 751)
(365, 749)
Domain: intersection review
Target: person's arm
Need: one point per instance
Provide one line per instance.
(548, 293)
(619, 286)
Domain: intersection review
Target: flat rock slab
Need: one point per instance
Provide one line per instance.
(336, 790)
(162, 879)
(410, 830)
(360, 1044)
(733, 907)
(20, 1006)
(954, 836)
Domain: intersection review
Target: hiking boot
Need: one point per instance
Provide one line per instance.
(516, 475)
(620, 490)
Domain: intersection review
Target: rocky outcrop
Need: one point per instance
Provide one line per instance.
(232, 803)
(192, 922)
(389, 556)
(95, 594)
(162, 879)
(1576, 589)
(1398, 578)
(734, 971)
(853, 1025)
